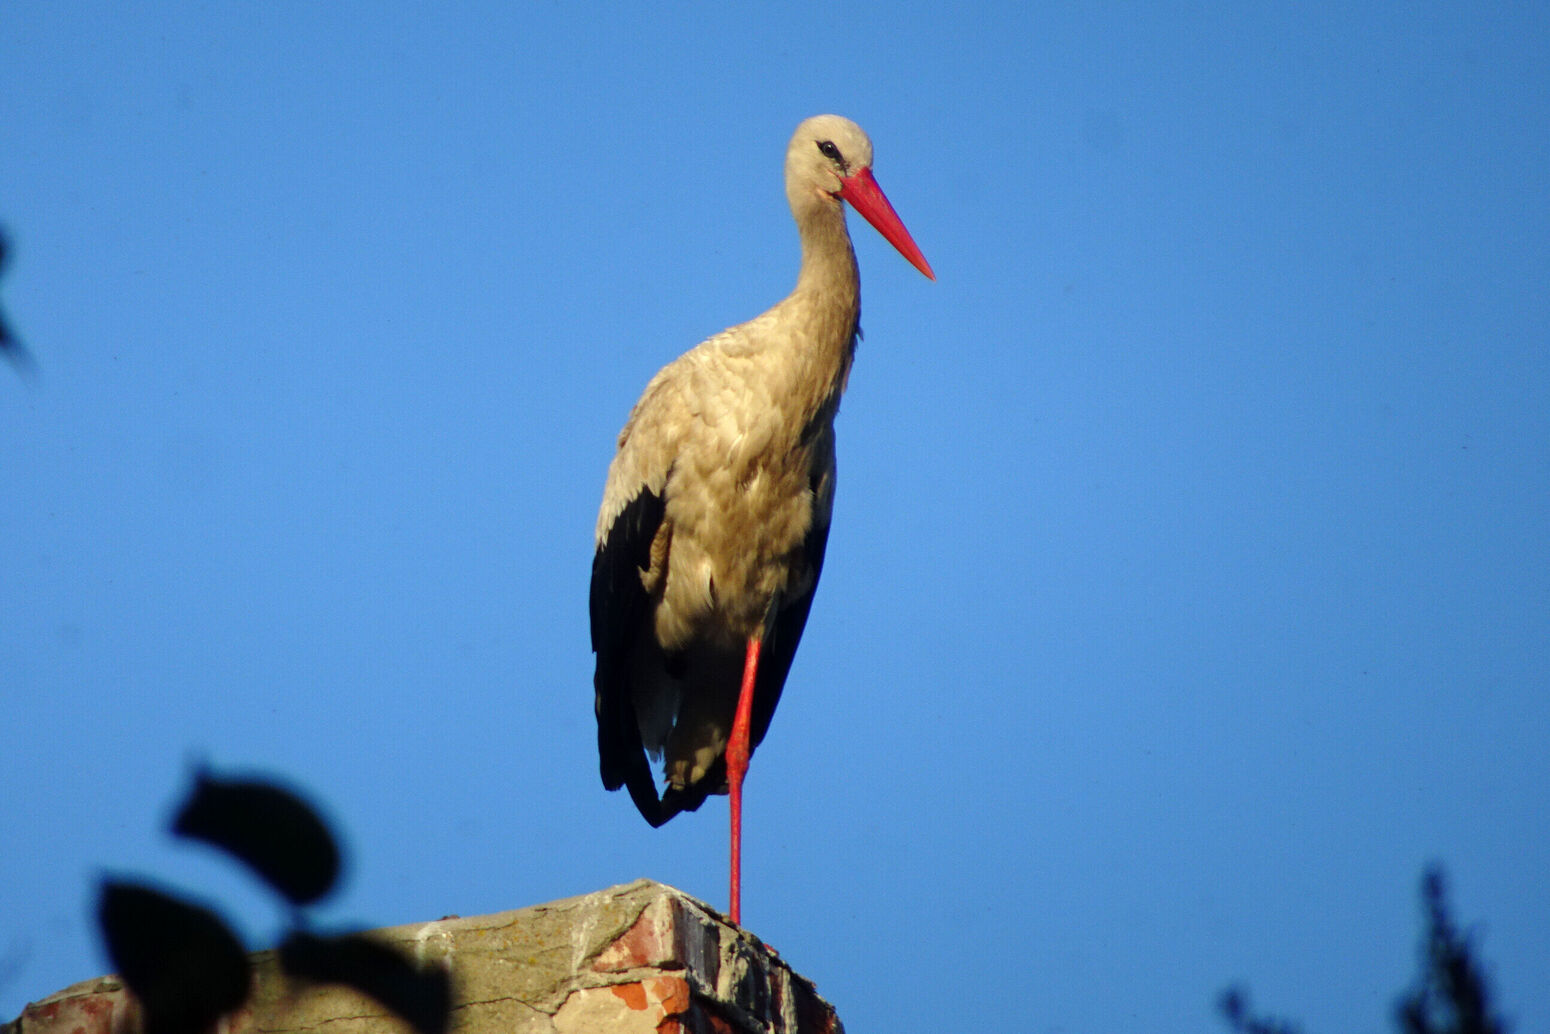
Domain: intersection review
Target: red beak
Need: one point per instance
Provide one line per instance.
(866, 197)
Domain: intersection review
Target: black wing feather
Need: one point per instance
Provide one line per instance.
(780, 646)
(619, 610)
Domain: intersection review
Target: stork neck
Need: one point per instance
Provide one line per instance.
(828, 261)
(815, 325)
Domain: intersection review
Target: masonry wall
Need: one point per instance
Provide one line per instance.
(632, 959)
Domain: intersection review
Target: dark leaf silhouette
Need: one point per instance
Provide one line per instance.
(1451, 996)
(271, 829)
(7, 340)
(422, 997)
(181, 961)
(1234, 1004)
(10, 345)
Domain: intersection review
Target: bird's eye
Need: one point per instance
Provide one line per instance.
(831, 152)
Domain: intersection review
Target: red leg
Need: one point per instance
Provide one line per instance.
(737, 767)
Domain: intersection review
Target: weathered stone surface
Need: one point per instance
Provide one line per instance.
(639, 957)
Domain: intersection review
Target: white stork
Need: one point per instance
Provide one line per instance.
(716, 510)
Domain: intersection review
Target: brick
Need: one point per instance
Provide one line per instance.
(632, 959)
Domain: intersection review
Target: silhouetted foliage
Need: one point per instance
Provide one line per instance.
(7, 339)
(276, 833)
(188, 969)
(181, 961)
(10, 345)
(1234, 1004)
(1450, 997)
(380, 971)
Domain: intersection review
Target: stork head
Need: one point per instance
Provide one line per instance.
(828, 160)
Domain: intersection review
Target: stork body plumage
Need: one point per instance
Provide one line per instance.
(715, 514)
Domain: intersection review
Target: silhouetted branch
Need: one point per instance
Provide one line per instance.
(1234, 1004)
(11, 346)
(1451, 996)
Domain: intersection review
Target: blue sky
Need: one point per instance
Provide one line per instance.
(1189, 588)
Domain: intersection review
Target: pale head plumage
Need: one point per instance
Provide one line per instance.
(823, 150)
